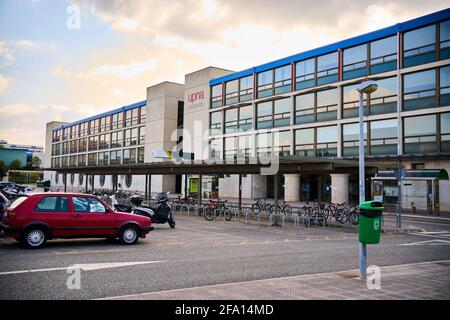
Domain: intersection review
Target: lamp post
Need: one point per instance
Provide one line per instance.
(366, 87)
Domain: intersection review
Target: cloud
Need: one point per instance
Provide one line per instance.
(6, 55)
(23, 123)
(4, 83)
(131, 70)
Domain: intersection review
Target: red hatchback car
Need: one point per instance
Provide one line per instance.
(34, 219)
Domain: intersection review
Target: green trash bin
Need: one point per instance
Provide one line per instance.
(370, 218)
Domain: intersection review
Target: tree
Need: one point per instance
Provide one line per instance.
(16, 164)
(3, 169)
(36, 162)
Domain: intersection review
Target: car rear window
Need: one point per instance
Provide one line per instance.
(53, 204)
(17, 202)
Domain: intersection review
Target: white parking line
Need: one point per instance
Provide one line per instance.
(85, 267)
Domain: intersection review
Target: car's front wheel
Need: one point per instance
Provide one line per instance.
(34, 238)
(129, 235)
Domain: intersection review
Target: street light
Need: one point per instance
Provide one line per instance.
(366, 87)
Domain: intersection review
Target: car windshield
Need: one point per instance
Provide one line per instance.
(17, 202)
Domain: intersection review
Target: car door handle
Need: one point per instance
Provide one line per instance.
(76, 215)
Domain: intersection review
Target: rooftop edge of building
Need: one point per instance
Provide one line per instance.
(408, 25)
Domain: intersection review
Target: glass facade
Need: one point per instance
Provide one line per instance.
(419, 46)
(419, 90)
(355, 62)
(383, 55)
(420, 134)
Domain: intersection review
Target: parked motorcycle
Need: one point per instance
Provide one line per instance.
(162, 214)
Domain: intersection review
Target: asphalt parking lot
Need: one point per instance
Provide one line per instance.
(199, 253)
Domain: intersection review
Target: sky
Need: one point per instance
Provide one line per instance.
(64, 60)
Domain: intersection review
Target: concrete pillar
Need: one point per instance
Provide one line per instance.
(339, 187)
(292, 187)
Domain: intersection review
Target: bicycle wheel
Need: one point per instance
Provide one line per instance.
(287, 209)
(227, 214)
(209, 214)
(256, 208)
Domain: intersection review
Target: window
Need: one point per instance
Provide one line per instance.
(56, 149)
(143, 114)
(116, 139)
(327, 101)
(215, 148)
(326, 138)
(115, 157)
(216, 123)
(141, 139)
(82, 145)
(444, 87)
(64, 162)
(304, 108)
(304, 142)
(131, 137)
(73, 161)
(419, 46)
(283, 79)
(265, 84)
(80, 179)
(355, 62)
(230, 147)
(92, 159)
(103, 158)
(383, 55)
(245, 118)
(445, 132)
(282, 112)
(350, 135)
(419, 90)
(282, 143)
(327, 68)
(245, 145)
(87, 205)
(246, 89)
(444, 40)
(384, 99)
(73, 146)
(383, 137)
(351, 102)
(104, 141)
(131, 117)
(129, 156)
(231, 120)
(53, 204)
(65, 148)
(141, 155)
(216, 96)
(72, 179)
(83, 129)
(273, 113)
(419, 134)
(264, 115)
(263, 144)
(81, 160)
(231, 92)
(93, 143)
(305, 74)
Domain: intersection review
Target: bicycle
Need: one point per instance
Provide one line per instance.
(260, 206)
(216, 208)
(283, 208)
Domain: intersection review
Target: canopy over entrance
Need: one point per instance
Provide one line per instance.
(424, 174)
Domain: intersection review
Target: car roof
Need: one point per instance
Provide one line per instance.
(61, 194)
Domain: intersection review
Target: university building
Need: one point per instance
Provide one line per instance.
(304, 105)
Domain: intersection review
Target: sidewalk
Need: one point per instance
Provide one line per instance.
(428, 280)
